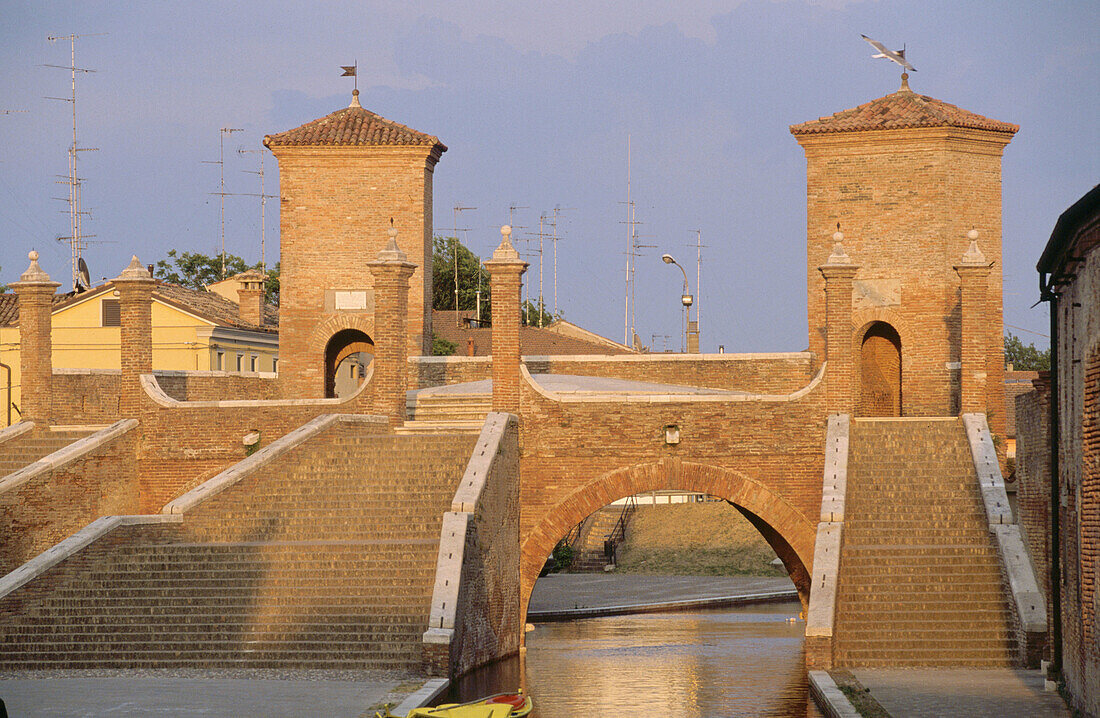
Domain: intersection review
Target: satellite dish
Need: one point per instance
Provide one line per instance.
(83, 279)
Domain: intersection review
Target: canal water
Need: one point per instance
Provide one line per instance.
(744, 661)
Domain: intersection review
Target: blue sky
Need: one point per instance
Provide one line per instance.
(536, 104)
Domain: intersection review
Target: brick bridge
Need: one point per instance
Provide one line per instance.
(374, 531)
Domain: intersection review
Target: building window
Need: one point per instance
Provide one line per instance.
(220, 362)
(274, 363)
(240, 362)
(252, 362)
(111, 314)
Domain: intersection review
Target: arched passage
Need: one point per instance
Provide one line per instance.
(880, 371)
(790, 534)
(346, 344)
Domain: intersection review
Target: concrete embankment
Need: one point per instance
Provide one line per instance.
(562, 597)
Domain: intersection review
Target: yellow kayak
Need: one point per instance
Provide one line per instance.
(502, 705)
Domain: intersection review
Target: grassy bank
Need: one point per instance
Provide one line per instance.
(710, 539)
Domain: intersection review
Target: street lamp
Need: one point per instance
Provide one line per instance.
(685, 298)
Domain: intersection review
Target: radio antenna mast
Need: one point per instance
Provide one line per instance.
(221, 184)
(263, 204)
(558, 209)
(76, 238)
(699, 247)
(458, 209)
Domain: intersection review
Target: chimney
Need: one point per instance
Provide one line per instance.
(251, 293)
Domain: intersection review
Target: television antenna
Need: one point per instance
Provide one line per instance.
(458, 209)
(77, 239)
(222, 193)
(699, 247)
(263, 204)
(558, 209)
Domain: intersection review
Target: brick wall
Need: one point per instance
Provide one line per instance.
(765, 456)
(182, 440)
(1033, 481)
(756, 373)
(85, 396)
(1079, 457)
(487, 616)
(337, 203)
(217, 385)
(905, 200)
(51, 505)
(426, 372)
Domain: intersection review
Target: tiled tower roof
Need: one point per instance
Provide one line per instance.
(352, 126)
(901, 110)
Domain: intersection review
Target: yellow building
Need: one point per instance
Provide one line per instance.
(192, 330)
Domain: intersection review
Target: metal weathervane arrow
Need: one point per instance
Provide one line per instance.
(897, 56)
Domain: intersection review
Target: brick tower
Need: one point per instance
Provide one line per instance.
(907, 177)
(342, 178)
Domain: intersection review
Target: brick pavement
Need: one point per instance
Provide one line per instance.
(962, 692)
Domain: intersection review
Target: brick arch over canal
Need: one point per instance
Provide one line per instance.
(789, 532)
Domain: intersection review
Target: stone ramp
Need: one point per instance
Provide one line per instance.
(323, 559)
(920, 578)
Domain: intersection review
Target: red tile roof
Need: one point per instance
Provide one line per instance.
(352, 126)
(9, 307)
(207, 305)
(901, 110)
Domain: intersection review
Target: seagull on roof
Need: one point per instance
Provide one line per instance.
(897, 56)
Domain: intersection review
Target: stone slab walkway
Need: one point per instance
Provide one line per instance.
(271, 693)
(961, 693)
(561, 592)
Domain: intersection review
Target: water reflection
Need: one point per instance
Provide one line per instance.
(729, 662)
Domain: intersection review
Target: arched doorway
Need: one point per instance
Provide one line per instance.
(880, 371)
(347, 355)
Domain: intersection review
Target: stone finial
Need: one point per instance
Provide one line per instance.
(505, 252)
(905, 82)
(355, 99)
(973, 256)
(34, 272)
(839, 256)
(135, 271)
(392, 253)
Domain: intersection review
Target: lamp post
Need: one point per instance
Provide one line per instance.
(685, 298)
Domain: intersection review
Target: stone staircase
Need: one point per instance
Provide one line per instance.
(433, 412)
(595, 529)
(920, 578)
(32, 446)
(325, 560)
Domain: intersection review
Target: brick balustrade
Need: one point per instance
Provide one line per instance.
(506, 271)
(35, 290)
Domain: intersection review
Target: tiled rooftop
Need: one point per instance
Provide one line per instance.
(352, 126)
(901, 110)
(205, 304)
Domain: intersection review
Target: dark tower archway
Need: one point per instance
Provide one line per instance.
(880, 371)
(343, 345)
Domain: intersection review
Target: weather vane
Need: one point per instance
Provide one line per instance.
(351, 71)
(897, 56)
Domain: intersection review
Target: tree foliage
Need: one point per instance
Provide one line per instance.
(470, 272)
(1025, 357)
(197, 271)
